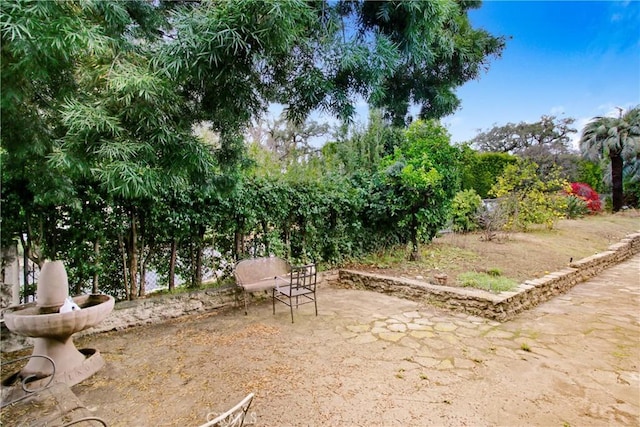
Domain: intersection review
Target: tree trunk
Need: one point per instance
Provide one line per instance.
(237, 247)
(172, 264)
(197, 279)
(617, 194)
(142, 285)
(31, 247)
(125, 270)
(25, 271)
(192, 263)
(78, 287)
(200, 253)
(96, 251)
(415, 245)
(133, 257)
(265, 237)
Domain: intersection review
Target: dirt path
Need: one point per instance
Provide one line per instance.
(369, 359)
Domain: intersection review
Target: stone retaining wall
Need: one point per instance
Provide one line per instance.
(502, 306)
(150, 310)
(145, 311)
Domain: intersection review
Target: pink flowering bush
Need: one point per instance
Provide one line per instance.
(587, 194)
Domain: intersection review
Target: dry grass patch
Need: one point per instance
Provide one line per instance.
(518, 256)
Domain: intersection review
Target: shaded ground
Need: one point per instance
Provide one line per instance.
(370, 359)
(520, 256)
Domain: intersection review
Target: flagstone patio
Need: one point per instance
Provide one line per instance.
(370, 359)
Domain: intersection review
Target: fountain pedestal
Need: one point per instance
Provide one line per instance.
(63, 353)
(52, 331)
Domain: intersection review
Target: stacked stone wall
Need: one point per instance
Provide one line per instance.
(145, 311)
(501, 307)
(504, 305)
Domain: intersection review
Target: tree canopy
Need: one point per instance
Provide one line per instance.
(516, 138)
(546, 142)
(233, 58)
(100, 100)
(616, 139)
(418, 183)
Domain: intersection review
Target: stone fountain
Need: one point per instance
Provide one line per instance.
(52, 329)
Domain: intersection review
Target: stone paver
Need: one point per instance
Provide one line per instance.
(380, 360)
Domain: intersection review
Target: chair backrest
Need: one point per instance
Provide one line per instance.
(255, 269)
(234, 417)
(304, 276)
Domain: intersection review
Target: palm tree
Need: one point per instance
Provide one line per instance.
(616, 138)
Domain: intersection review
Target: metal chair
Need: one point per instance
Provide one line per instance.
(51, 402)
(86, 420)
(234, 417)
(18, 394)
(300, 288)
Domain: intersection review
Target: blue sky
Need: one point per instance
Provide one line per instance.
(578, 59)
(569, 59)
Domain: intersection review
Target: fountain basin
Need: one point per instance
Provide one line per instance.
(28, 319)
(52, 333)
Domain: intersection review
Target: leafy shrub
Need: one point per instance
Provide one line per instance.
(529, 199)
(632, 194)
(576, 207)
(591, 173)
(416, 185)
(491, 219)
(480, 170)
(584, 192)
(464, 210)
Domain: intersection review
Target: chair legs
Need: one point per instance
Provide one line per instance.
(291, 308)
(290, 304)
(244, 293)
(301, 288)
(315, 302)
(273, 301)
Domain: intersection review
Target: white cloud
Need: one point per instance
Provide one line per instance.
(610, 109)
(579, 124)
(557, 110)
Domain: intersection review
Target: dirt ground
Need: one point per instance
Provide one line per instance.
(372, 360)
(520, 256)
(369, 359)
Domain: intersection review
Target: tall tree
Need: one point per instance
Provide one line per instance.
(233, 58)
(289, 142)
(616, 139)
(516, 138)
(104, 94)
(418, 52)
(546, 142)
(360, 149)
(102, 115)
(37, 73)
(419, 181)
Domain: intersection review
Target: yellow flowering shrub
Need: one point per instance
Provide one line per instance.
(528, 199)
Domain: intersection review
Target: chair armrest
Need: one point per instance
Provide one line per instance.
(234, 416)
(283, 280)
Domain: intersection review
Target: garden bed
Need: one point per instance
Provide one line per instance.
(498, 306)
